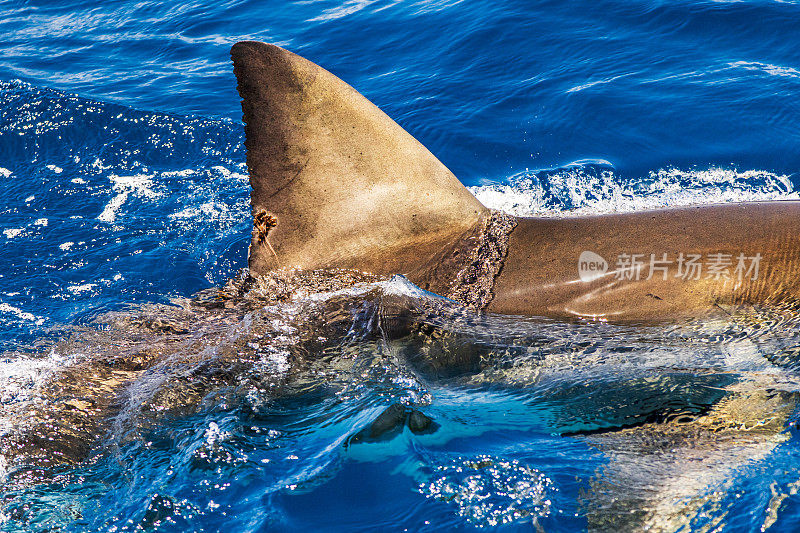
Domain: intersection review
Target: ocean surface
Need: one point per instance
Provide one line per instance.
(124, 191)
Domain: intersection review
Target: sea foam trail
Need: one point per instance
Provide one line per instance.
(589, 189)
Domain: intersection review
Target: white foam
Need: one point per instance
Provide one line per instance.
(55, 169)
(490, 491)
(4, 172)
(10, 233)
(109, 213)
(78, 289)
(396, 286)
(140, 185)
(276, 360)
(214, 434)
(206, 211)
(349, 7)
(591, 190)
(21, 378)
(178, 173)
(228, 174)
(19, 313)
(66, 245)
(767, 68)
(590, 84)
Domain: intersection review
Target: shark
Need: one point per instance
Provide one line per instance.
(366, 252)
(336, 183)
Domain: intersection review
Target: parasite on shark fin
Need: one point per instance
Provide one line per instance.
(346, 186)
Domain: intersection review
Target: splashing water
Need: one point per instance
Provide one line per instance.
(199, 397)
(590, 189)
(490, 491)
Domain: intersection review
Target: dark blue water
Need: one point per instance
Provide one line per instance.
(122, 164)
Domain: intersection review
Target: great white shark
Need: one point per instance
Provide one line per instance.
(337, 183)
(342, 199)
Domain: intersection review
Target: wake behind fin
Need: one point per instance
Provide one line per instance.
(335, 182)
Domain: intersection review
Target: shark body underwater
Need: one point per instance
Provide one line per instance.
(343, 201)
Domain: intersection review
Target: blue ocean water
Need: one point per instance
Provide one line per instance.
(122, 163)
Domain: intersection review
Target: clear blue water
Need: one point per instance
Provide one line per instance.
(122, 163)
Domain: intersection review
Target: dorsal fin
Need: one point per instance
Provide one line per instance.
(336, 182)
